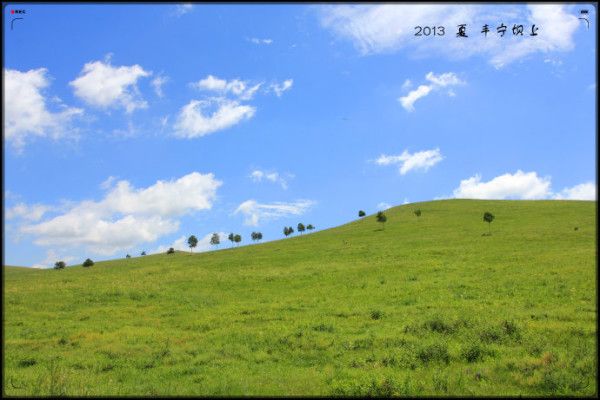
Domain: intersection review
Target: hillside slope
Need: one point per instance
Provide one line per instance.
(426, 306)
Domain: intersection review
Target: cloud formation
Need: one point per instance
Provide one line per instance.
(196, 120)
(386, 28)
(436, 82)
(182, 9)
(127, 216)
(520, 185)
(26, 110)
(258, 175)
(260, 41)
(255, 212)
(583, 191)
(101, 85)
(211, 114)
(31, 213)
(422, 160)
(157, 83)
(237, 87)
(279, 88)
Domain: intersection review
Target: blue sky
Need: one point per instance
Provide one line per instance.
(128, 128)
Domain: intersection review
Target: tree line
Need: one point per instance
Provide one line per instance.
(235, 238)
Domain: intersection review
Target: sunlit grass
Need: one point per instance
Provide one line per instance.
(427, 306)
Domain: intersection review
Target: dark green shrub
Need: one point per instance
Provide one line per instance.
(88, 263)
(472, 353)
(434, 353)
(376, 314)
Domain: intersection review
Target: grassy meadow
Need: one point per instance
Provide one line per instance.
(424, 306)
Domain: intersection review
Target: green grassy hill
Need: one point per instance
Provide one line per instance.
(427, 306)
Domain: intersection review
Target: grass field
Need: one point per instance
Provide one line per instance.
(427, 306)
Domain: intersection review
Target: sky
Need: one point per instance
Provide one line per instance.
(128, 128)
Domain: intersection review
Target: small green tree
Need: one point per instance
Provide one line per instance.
(237, 239)
(290, 230)
(310, 227)
(192, 242)
(88, 263)
(256, 236)
(215, 239)
(381, 218)
(417, 212)
(59, 265)
(489, 217)
(361, 213)
(231, 238)
(171, 250)
(143, 253)
(301, 228)
(286, 232)
(128, 256)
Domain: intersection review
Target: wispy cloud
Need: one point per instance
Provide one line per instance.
(383, 206)
(260, 41)
(279, 88)
(157, 83)
(258, 175)
(436, 82)
(255, 212)
(422, 160)
(386, 28)
(182, 9)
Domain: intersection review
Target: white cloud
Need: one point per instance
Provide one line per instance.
(210, 114)
(437, 81)
(31, 213)
(194, 121)
(282, 87)
(520, 185)
(258, 176)
(422, 160)
(408, 100)
(157, 84)
(237, 87)
(443, 80)
(108, 182)
(182, 9)
(383, 206)
(51, 257)
(583, 191)
(179, 244)
(407, 84)
(260, 41)
(126, 216)
(101, 85)
(255, 212)
(26, 113)
(388, 28)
